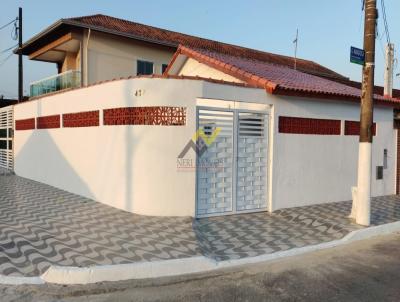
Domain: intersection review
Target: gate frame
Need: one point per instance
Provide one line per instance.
(230, 106)
(9, 166)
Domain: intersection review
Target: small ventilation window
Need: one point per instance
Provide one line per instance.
(251, 125)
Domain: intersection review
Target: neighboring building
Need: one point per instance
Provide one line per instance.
(7, 102)
(97, 48)
(268, 136)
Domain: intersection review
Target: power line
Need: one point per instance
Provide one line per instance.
(6, 59)
(5, 25)
(10, 48)
(385, 21)
(14, 31)
(380, 37)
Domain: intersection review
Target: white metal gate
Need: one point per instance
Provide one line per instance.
(6, 137)
(232, 172)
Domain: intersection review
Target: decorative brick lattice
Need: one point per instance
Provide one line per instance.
(81, 119)
(25, 124)
(353, 128)
(298, 125)
(164, 116)
(48, 122)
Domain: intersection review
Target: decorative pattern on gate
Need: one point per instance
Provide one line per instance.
(353, 128)
(155, 115)
(300, 125)
(252, 161)
(81, 119)
(48, 122)
(215, 165)
(25, 124)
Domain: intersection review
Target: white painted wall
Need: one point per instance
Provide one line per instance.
(128, 167)
(134, 167)
(111, 57)
(192, 67)
(314, 168)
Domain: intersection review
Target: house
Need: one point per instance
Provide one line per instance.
(224, 129)
(96, 48)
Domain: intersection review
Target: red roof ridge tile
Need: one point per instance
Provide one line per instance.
(288, 81)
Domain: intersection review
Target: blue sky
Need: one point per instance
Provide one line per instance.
(327, 29)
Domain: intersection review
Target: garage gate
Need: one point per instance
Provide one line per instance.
(232, 172)
(6, 138)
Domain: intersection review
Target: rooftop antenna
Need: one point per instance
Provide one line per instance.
(295, 41)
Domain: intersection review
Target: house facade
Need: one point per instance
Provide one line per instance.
(225, 130)
(90, 49)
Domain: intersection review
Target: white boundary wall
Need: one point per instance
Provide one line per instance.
(313, 169)
(128, 167)
(135, 167)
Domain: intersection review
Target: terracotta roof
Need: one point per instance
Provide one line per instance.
(276, 79)
(174, 39)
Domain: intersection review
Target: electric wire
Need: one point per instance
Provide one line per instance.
(14, 31)
(385, 23)
(10, 48)
(6, 59)
(5, 25)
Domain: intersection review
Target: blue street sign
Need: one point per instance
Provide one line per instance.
(357, 55)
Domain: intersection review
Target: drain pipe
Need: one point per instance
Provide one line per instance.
(85, 69)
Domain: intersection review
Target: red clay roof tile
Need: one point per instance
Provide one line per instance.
(174, 39)
(277, 78)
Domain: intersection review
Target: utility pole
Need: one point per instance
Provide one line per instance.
(362, 200)
(296, 41)
(388, 85)
(20, 67)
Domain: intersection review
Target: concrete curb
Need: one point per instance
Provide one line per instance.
(10, 280)
(175, 267)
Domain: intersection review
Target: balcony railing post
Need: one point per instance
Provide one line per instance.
(65, 80)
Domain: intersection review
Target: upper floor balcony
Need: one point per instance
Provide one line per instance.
(65, 80)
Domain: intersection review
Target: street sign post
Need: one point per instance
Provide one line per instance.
(357, 55)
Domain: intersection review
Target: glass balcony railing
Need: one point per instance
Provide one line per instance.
(61, 81)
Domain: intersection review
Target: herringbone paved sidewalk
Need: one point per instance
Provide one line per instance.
(41, 225)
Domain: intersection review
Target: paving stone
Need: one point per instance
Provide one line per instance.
(41, 226)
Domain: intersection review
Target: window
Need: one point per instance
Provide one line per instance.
(163, 67)
(144, 67)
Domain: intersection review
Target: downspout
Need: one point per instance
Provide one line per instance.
(85, 64)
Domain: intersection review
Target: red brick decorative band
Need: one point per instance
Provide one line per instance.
(48, 122)
(353, 128)
(164, 116)
(25, 124)
(81, 119)
(299, 125)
